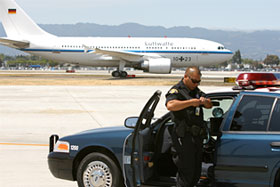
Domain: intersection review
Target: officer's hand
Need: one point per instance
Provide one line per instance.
(202, 100)
(206, 102)
(196, 102)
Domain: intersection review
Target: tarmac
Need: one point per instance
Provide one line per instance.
(30, 114)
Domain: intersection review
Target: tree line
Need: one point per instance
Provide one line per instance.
(271, 61)
(25, 61)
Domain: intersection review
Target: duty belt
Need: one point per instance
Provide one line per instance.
(195, 130)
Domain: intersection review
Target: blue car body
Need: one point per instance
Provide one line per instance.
(109, 140)
(237, 155)
(249, 158)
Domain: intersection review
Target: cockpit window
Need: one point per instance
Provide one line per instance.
(221, 47)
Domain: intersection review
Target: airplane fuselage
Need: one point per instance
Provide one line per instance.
(181, 51)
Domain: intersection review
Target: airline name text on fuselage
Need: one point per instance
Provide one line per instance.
(162, 44)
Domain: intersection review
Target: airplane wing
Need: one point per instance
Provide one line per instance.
(129, 56)
(14, 43)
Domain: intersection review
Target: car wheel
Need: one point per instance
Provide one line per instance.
(277, 179)
(98, 170)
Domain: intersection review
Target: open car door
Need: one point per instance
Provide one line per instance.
(136, 157)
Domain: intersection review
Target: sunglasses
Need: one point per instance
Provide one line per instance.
(194, 81)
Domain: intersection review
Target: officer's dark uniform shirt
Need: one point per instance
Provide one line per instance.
(189, 116)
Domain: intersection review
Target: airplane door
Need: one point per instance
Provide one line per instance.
(133, 155)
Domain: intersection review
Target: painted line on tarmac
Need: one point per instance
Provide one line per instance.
(22, 144)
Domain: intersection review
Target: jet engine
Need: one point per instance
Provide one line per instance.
(157, 65)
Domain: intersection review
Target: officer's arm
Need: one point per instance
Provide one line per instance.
(176, 105)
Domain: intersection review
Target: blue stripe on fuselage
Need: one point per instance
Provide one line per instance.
(133, 51)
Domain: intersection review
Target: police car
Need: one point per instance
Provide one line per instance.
(242, 148)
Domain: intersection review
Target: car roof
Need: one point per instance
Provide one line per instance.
(233, 92)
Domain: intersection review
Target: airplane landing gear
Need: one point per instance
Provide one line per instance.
(121, 74)
(116, 74)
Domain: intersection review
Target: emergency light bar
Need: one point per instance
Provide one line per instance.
(255, 80)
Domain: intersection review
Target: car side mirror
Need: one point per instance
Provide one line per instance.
(130, 122)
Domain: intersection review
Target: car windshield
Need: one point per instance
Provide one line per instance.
(223, 104)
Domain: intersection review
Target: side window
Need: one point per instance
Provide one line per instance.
(275, 118)
(252, 114)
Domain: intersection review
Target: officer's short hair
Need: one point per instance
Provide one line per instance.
(192, 69)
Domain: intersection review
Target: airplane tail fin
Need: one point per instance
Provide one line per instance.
(17, 23)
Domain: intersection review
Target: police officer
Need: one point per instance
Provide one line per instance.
(185, 101)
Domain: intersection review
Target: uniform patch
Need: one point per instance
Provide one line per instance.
(172, 91)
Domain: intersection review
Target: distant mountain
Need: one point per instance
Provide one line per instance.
(255, 45)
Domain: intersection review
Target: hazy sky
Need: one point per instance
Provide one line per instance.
(211, 14)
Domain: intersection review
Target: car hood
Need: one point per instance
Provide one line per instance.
(105, 130)
(117, 131)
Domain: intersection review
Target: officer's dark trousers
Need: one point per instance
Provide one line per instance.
(188, 161)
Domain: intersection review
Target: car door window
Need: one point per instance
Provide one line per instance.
(252, 114)
(275, 118)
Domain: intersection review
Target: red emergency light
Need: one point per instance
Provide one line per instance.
(256, 80)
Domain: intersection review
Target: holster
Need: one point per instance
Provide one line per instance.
(175, 142)
(180, 128)
(195, 131)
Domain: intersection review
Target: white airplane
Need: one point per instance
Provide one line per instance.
(153, 55)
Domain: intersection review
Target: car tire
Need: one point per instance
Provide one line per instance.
(277, 179)
(97, 169)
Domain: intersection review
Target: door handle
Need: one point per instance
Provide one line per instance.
(275, 144)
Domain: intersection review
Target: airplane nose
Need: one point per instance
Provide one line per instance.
(229, 54)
